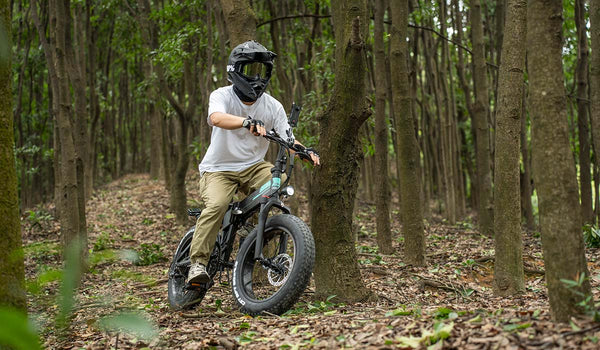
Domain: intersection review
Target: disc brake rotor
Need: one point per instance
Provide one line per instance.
(285, 262)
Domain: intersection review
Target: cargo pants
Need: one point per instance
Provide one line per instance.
(216, 192)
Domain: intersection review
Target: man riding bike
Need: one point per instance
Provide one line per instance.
(238, 114)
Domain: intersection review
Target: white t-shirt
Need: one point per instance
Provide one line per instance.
(236, 150)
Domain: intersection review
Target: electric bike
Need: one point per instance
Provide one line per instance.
(274, 263)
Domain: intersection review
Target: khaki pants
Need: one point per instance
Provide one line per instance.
(216, 191)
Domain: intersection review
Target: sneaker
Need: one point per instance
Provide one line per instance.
(197, 274)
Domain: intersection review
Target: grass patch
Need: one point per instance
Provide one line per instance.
(45, 250)
(103, 257)
(131, 276)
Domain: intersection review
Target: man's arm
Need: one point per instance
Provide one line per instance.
(231, 122)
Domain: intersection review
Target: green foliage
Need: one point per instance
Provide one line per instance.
(16, 331)
(38, 217)
(591, 235)
(46, 277)
(42, 251)
(587, 300)
(428, 337)
(103, 242)
(149, 254)
(134, 324)
(325, 307)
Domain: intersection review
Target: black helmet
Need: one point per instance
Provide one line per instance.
(249, 70)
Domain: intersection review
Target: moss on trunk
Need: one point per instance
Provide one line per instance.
(12, 274)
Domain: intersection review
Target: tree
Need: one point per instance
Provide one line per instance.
(480, 119)
(70, 183)
(12, 271)
(585, 178)
(336, 180)
(595, 88)
(508, 265)
(240, 20)
(410, 168)
(553, 165)
(384, 235)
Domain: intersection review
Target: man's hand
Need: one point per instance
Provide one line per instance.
(256, 126)
(314, 156)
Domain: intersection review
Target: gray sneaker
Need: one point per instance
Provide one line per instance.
(197, 274)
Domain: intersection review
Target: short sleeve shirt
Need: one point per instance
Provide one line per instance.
(236, 150)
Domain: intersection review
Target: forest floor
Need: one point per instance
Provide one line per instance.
(449, 304)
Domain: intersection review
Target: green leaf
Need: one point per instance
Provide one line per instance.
(399, 312)
(16, 332)
(516, 327)
(475, 319)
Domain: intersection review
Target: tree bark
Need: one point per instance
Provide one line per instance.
(410, 166)
(240, 20)
(508, 265)
(585, 176)
(526, 190)
(480, 120)
(335, 182)
(553, 165)
(12, 269)
(384, 234)
(595, 89)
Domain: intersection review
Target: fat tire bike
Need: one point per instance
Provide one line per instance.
(274, 263)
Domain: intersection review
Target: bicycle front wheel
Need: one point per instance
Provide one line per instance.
(276, 283)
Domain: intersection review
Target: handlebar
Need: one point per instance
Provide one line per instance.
(299, 150)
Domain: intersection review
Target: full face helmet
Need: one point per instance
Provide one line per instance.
(249, 70)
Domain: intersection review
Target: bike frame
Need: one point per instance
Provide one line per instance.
(262, 200)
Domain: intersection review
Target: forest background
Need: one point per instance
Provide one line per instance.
(429, 111)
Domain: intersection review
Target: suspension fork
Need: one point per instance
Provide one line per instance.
(265, 208)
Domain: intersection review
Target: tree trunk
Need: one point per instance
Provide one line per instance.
(526, 190)
(553, 166)
(12, 269)
(595, 90)
(585, 176)
(508, 265)
(384, 234)
(480, 115)
(410, 166)
(335, 182)
(240, 20)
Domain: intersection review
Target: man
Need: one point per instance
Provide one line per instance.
(240, 115)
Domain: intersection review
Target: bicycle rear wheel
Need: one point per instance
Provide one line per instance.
(275, 284)
(180, 297)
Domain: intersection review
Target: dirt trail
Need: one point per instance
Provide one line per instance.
(449, 304)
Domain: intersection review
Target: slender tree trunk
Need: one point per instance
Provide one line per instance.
(560, 212)
(12, 269)
(335, 182)
(508, 265)
(595, 90)
(585, 172)
(73, 228)
(480, 120)
(526, 190)
(384, 234)
(410, 166)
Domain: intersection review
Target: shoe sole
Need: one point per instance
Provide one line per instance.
(202, 278)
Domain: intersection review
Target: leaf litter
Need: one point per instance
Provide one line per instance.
(448, 304)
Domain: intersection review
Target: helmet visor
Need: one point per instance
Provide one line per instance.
(256, 70)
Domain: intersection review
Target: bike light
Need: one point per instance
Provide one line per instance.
(288, 191)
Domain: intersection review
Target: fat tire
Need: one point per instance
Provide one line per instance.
(298, 278)
(179, 297)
